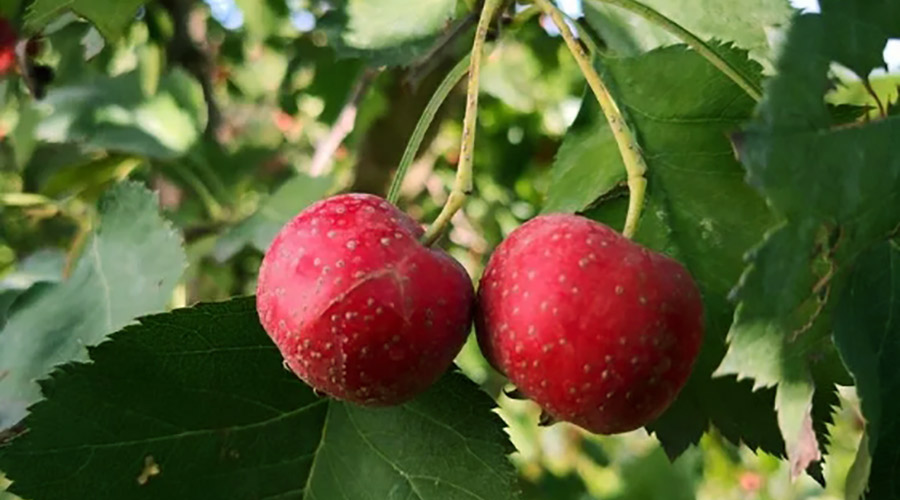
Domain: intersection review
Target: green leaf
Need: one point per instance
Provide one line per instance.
(128, 267)
(111, 18)
(698, 210)
(867, 333)
(744, 22)
(587, 165)
(113, 113)
(387, 32)
(274, 212)
(837, 186)
(226, 419)
(41, 268)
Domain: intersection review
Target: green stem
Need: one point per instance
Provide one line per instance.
(625, 139)
(650, 14)
(415, 141)
(462, 186)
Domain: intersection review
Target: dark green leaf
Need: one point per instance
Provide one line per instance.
(867, 333)
(698, 210)
(837, 185)
(111, 18)
(274, 212)
(197, 401)
(128, 267)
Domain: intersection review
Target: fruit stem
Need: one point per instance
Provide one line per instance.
(625, 139)
(415, 141)
(462, 186)
(731, 71)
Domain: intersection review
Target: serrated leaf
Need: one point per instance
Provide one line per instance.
(698, 210)
(111, 18)
(274, 212)
(128, 267)
(867, 333)
(387, 32)
(197, 401)
(837, 187)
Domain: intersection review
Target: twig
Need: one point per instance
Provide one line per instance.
(415, 141)
(194, 55)
(462, 186)
(650, 14)
(868, 85)
(625, 139)
(346, 121)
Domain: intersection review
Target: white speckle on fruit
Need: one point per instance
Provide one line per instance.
(610, 394)
(370, 301)
(562, 341)
(364, 351)
(547, 347)
(635, 360)
(515, 274)
(515, 310)
(605, 374)
(535, 363)
(543, 383)
(526, 294)
(546, 253)
(385, 241)
(582, 263)
(351, 245)
(325, 270)
(519, 347)
(327, 345)
(358, 274)
(571, 390)
(544, 305)
(642, 300)
(555, 311)
(568, 236)
(531, 275)
(604, 243)
(587, 368)
(331, 234)
(562, 278)
(339, 264)
(340, 209)
(623, 340)
(378, 310)
(620, 289)
(334, 318)
(515, 288)
(316, 262)
(574, 290)
(531, 330)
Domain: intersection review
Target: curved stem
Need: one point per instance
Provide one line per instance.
(625, 139)
(650, 14)
(462, 186)
(415, 141)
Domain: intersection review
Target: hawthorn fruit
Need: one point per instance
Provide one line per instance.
(596, 329)
(358, 307)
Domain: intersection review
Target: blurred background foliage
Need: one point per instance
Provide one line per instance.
(235, 112)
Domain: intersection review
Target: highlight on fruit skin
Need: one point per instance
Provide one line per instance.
(359, 309)
(596, 329)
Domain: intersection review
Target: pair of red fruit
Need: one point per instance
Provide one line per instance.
(594, 328)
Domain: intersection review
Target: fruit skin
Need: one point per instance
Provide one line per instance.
(597, 330)
(358, 307)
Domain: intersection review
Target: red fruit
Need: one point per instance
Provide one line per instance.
(7, 47)
(358, 307)
(597, 330)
